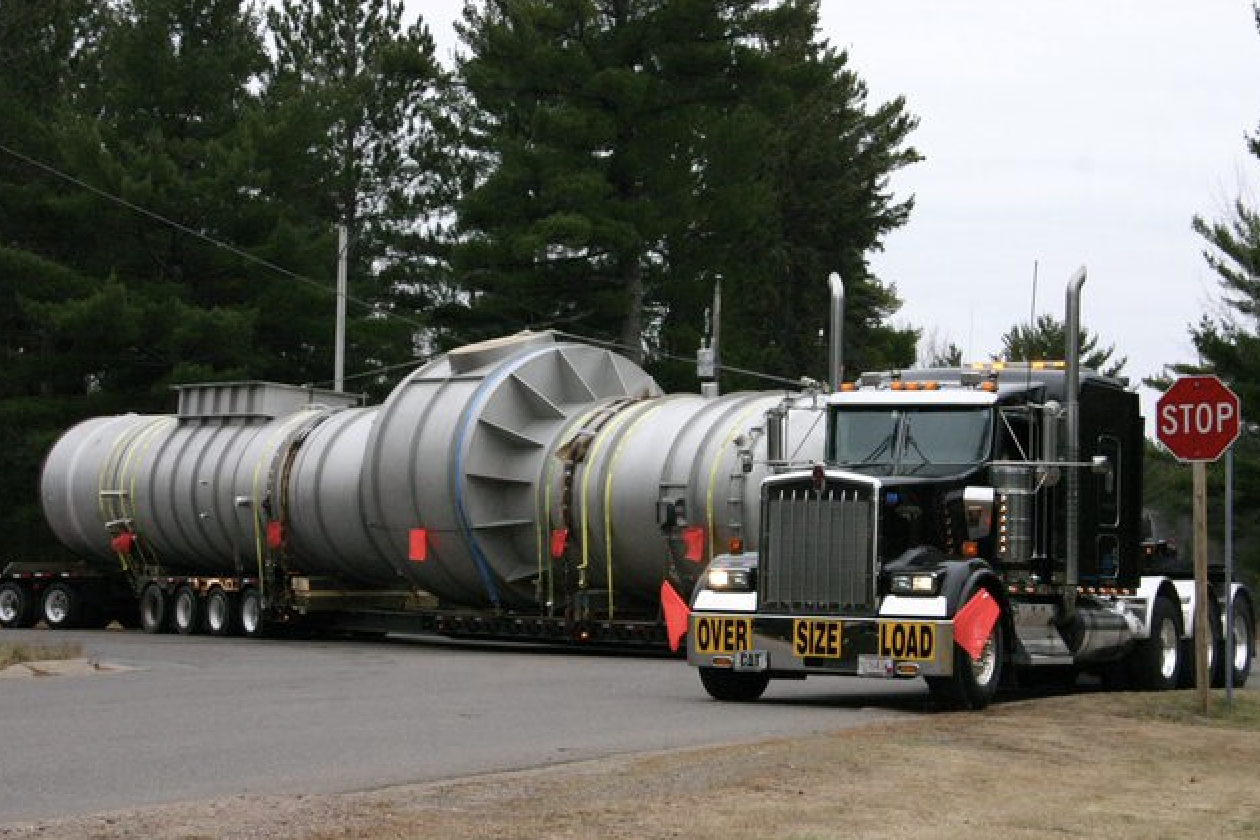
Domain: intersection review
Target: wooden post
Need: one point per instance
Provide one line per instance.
(1202, 634)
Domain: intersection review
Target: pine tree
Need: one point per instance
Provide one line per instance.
(636, 150)
(360, 128)
(1046, 339)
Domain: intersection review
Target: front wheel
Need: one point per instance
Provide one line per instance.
(974, 682)
(17, 606)
(734, 686)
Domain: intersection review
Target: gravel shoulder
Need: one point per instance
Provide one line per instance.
(1095, 765)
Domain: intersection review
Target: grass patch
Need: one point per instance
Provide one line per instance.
(11, 654)
(1182, 707)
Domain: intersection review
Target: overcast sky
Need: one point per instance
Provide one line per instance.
(1056, 134)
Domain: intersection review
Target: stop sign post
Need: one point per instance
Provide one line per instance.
(1198, 419)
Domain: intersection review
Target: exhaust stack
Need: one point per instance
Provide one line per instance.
(835, 371)
(1072, 330)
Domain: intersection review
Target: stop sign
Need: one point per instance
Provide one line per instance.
(1198, 418)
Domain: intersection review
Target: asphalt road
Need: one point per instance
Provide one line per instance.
(200, 717)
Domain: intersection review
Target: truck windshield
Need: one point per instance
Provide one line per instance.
(919, 441)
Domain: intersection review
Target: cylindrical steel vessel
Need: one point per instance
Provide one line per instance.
(510, 473)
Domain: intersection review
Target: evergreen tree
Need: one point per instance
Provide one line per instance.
(1046, 339)
(635, 150)
(360, 130)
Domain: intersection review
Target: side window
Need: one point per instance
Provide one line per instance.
(1108, 556)
(1107, 484)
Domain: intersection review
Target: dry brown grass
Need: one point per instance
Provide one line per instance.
(14, 654)
(1087, 765)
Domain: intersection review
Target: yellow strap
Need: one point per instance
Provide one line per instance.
(708, 505)
(612, 464)
(268, 456)
(544, 515)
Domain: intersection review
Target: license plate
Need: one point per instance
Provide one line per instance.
(751, 660)
(907, 641)
(815, 638)
(721, 634)
(875, 666)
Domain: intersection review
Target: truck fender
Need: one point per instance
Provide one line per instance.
(960, 579)
(1180, 593)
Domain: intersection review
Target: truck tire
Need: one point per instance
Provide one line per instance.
(974, 682)
(1216, 667)
(1155, 663)
(1241, 651)
(154, 616)
(734, 686)
(252, 623)
(61, 606)
(17, 605)
(186, 611)
(222, 613)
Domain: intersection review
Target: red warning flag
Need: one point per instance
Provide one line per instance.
(676, 614)
(974, 622)
(418, 545)
(693, 543)
(559, 536)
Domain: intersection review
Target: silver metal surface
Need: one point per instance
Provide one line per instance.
(453, 486)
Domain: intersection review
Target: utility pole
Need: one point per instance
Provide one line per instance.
(339, 351)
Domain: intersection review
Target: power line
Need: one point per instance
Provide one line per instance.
(367, 305)
(204, 237)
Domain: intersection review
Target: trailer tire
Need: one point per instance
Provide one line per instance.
(186, 611)
(61, 606)
(154, 616)
(734, 686)
(253, 624)
(974, 682)
(222, 613)
(1241, 651)
(17, 606)
(1156, 663)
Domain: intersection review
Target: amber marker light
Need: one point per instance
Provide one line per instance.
(970, 548)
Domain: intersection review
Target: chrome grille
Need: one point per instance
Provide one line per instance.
(818, 549)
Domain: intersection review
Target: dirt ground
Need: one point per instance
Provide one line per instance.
(1091, 765)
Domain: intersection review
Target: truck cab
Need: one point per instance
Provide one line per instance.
(966, 523)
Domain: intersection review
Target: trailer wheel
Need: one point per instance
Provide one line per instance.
(222, 616)
(186, 611)
(62, 606)
(17, 606)
(1242, 650)
(734, 686)
(974, 682)
(1155, 664)
(252, 624)
(153, 609)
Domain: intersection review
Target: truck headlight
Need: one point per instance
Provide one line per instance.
(915, 583)
(728, 579)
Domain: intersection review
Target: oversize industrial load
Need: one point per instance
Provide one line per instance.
(510, 473)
